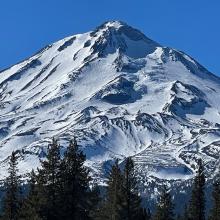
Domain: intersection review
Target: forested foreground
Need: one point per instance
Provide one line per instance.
(63, 189)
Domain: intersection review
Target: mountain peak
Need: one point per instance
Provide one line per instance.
(114, 35)
(115, 24)
(120, 27)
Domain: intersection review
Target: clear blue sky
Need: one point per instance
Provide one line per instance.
(192, 26)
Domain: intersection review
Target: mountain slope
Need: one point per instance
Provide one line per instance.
(121, 94)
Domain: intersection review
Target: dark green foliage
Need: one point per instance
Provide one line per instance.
(113, 207)
(75, 184)
(165, 207)
(197, 203)
(122, 199)
(215, 211)
(179, 217)
(132, 200)
(95, 202)
(60, 190)
(144, 214)
(32, 203)
(50, 181)
(185, 214)
(12, 200)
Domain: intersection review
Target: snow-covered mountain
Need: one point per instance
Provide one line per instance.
(121, 94)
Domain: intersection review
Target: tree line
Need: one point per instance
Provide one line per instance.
(62, 189)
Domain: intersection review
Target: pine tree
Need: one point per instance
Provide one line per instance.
(144, 214)
(185, 215)
(165, 207)
(95, 202)
(113, 207)
(148, 214)
(49, 178)
(12, 199)
(31, 206)
(75, 180)
(215, 211)
(197, 203)
(130, 189)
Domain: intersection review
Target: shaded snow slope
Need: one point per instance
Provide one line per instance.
(121, 94)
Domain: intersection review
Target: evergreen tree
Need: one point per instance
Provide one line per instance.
(113, 207)
(197, 203)
(130, 189)
(75, 180)
(148, 214)
(31, 205)
(12, 199)
(49, 179)
(215, 211)
(95, 202)
(185, 215)
(179, 217)
(144, 214)
(165, 207)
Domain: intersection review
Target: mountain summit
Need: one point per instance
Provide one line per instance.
(120, 94)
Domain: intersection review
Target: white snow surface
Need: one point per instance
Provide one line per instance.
(120, 94)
